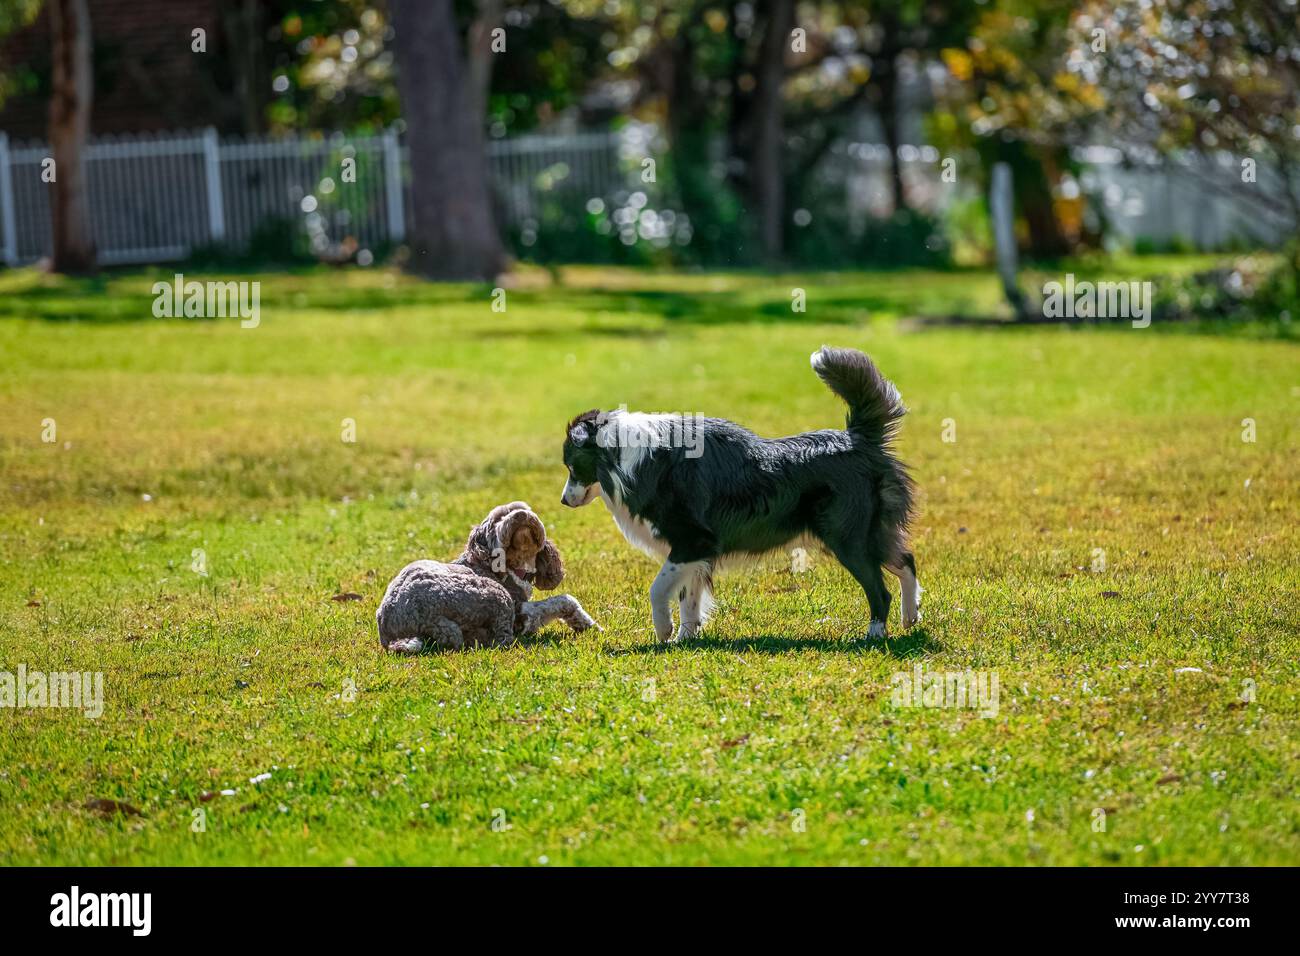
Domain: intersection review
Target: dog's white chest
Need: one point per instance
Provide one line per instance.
(638, 532)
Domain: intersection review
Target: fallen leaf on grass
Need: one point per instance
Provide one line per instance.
(1110, 594)
(1169, 778)
(737, 742)
(33, 603)
(346, 596)
(108, 807)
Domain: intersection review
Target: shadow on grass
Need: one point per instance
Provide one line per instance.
(541, 333)
(109, 298)
(1256, 326)
(673, 308)
(914, 643)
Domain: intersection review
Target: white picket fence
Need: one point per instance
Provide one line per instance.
(1206, 201)
(158, 198)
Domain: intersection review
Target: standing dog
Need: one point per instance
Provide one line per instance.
(733, 494)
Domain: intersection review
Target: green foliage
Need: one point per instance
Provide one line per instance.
(276, 241)
(330, 67)
(1257, 293)
(16, 14)
(906, 238)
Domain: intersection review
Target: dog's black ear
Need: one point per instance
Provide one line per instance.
(582, 430)
(550, 568)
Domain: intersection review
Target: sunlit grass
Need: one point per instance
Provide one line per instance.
(1099, 536)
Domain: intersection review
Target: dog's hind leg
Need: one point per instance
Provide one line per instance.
(444, 633)
(406, 645)
(878, 597)
(853, 552)
(441, 632)
(905, 570)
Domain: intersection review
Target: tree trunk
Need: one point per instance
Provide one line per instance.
(452, 235)
(245, 29)
(769, 141)
(1033, 189)
(886, 80)
(70, 99)
(690, 155)
(1034, 196)
(487, 17)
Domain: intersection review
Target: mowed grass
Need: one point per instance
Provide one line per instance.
(1098, 536)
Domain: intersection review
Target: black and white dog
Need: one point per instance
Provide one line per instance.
(698, 492)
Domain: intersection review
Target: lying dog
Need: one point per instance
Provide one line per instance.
(728, 493)
(484, 597)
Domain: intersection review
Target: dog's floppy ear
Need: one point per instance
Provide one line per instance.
(550, 568)
(582, 430)
(483, 546)
(515, 529)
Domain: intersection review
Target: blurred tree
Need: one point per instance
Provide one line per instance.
(756, 92)
(487, 17)
(1013, 103)
(723, 78)
(330, 66)
(901, 35)
(1203, 75)
(555, 64)
(70, 101)
(452, 234)
(244, 23)
(14, 15)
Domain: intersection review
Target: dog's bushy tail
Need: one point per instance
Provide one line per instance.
(875, 407)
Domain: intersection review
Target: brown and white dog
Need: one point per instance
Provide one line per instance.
(484, 597)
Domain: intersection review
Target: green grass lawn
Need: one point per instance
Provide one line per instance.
(1098, 536)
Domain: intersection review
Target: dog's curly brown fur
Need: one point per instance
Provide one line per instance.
(484, 597)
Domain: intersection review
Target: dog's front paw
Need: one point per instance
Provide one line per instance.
(911, 618)
(408, 645)
(582, 621)
(876, 630)
(663, 622)
(687, 630)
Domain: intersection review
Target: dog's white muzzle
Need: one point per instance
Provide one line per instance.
(576, 495)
